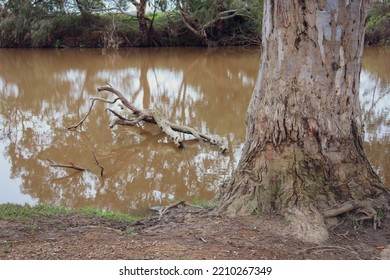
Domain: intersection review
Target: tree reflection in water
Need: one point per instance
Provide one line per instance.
(375, 100)
(45, 91)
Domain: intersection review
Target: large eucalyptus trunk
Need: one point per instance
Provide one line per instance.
(303, 153)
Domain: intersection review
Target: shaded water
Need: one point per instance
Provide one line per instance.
(45, 91)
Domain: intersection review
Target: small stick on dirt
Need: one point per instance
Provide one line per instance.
(344, 235)
(321, 248)
(204, 240)
(165, 209)
(334, 227)
(97, 162)
(70, 165)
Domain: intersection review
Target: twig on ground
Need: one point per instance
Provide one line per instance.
(204, 240)
(321, 248)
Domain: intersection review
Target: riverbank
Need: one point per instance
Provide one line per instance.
(112, 31)
(43, 29)
(189, 232)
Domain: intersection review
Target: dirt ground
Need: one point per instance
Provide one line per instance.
(184, 233)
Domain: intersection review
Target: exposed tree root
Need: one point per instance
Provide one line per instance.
(163, 210)
(365, 208)
(149, 116)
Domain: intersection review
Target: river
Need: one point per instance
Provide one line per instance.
(45, 91)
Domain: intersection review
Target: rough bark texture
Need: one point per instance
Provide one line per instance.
(303, 152)
(142, 22)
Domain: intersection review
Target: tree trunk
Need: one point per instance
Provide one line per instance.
(143, 25)
(142, 22)
(303, 153)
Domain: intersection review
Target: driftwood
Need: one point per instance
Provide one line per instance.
(153, 116)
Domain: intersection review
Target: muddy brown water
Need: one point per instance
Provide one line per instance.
(45, 91)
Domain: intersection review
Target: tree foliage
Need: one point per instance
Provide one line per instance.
(378, 23)
(214, 21)
(25, 23)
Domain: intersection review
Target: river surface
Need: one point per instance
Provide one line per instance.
(45, 91)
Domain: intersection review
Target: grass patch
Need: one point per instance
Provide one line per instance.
(90, 212)
(353, 220)
(205, 203)
(26, 212)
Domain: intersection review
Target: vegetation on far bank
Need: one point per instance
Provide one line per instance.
(15, 212)
(378, 23)
(109, 24)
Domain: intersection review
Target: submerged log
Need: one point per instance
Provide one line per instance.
(153, 116)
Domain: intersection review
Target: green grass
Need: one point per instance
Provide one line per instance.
(379, 213)
(26, 212)
(353, 220)
(205, 203)
(90, 212)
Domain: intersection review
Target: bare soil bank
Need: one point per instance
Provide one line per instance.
(183, 233)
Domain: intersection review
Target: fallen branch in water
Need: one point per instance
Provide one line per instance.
(80, 123)
(153, 116)
(62, 165)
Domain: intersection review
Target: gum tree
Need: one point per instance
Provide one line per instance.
(303, 156)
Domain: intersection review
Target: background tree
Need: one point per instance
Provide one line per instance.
(142, 21)
(205, 19)
(303, 156)
(140, 7)
(378, 23)
(87, 7)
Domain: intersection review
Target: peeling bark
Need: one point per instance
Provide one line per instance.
(303, 152)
